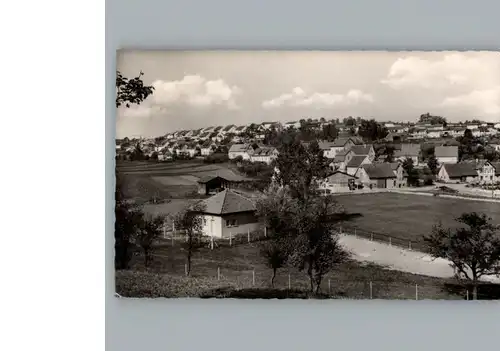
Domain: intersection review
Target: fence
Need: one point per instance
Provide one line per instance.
(391, 240)
(224, 281)
(178, 237)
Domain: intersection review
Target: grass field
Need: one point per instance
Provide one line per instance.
(173, 180)
(237, 264)
(409, 217)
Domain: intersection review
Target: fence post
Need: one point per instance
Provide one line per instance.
(248, 235)
(409, 245)
(329, 288)
(230, 239)
(265, 232)
(371, 236)
(416, 291)
(355, 235)
(185, 268)
(253, 277)
(371, 290)
(340, 229)
(289, 282)
(390, 241)
(218, 273)
(212, 242)
(164, 230)
(467, 294)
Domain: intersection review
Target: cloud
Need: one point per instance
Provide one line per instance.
(192, 91)
(196, 91)
(485, 102)
(458, 80)
(300, 98)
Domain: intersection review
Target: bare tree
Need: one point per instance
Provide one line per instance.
(275, 257)
(149, 230)
(473, 249)
(191, 220)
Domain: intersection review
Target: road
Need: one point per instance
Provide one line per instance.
(400, 259)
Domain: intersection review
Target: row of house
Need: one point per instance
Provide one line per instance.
(480, 172)
(253, 153)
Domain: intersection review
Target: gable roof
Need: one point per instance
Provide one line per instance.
(264, 151)
(227, 202)
(356, 161)
(458, 170)
(239, 148)
(226, 128)
(325, 145)
(496, 165)
(207, 178)
(410, 150)
(379, 171)
(340, 142)
(361, 149)
(343, 173)
(446, 151)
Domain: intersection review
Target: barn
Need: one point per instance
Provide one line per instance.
(212, 184)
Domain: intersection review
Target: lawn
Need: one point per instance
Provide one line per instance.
(238, 265)
(408, 217)
(173, 180)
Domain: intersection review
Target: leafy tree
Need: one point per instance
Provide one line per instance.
(299, 167)
(128, 219)
(371, 130)
(411, 171)
(131, 91)
(329, 132)
(473, 249)
(275, 257)
(432, 163)
(428, 118)
(349, 121)
(190, 221)
(389, 152)
(149, 230)
(492, 156)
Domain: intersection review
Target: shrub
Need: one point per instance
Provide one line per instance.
(216, 158)
(152, 285)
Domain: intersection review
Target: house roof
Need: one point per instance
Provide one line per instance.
(239, 148)
(496, 165)
(411, 150)
(264, 151)
(361, 149)
(325, 145)
(379, 171)
(458, 170)
(226, 128)
(227, 202)
(340, 142)
(446, 151)
(395, 166)
(207, 178)
(240, 128)
(356, 161)
(343, 173)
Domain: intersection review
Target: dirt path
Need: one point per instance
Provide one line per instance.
(399, 259)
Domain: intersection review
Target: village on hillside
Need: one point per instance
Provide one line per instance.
(440, 152)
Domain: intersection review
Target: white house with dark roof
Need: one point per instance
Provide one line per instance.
(243, 150)
(446, 154)
(228, 214)
(408, 151)
(338, 182)
(264, 154)
(464, 172)
(355, 162)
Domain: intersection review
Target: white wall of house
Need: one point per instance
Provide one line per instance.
(487, 174)
(453, 159)
(212, 226)
(245, 155)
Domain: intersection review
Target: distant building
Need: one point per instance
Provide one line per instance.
(243, 150)
(379, 175)
(408, 151)
(446, 154)
(264, 154)
(212, 184)
(338, 182)
(458, 173)
(228, 214)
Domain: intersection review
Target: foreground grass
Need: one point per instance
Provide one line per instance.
(240, 272)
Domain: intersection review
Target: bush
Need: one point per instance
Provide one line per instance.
(152, 285)
(216, 158)
(261, 294)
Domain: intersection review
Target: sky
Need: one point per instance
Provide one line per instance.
(196, 89)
